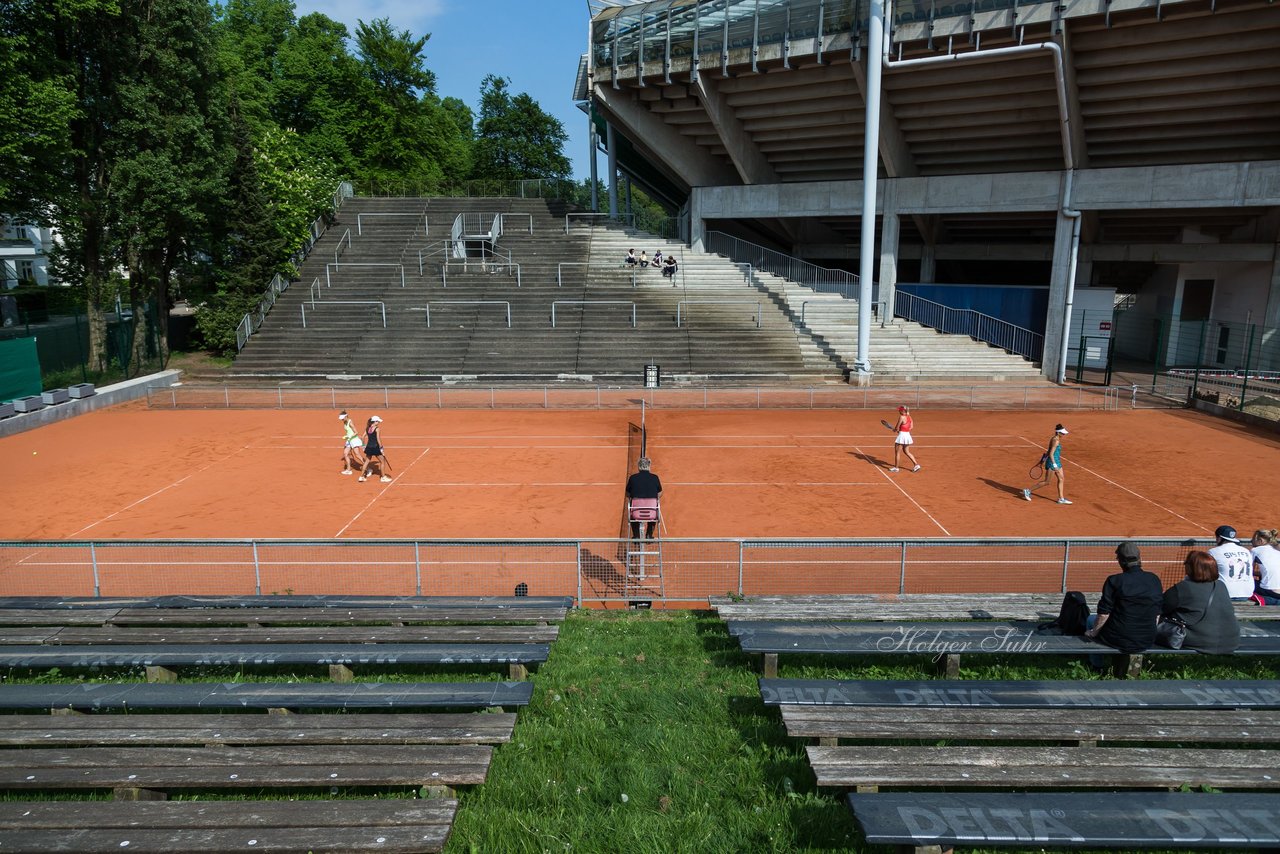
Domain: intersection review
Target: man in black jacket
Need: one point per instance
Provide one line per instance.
(1130, 604)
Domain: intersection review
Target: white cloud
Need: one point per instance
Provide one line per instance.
(413, 15)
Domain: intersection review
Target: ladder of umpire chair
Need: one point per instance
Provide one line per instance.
(643, 575)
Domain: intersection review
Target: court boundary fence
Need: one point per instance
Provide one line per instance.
(679, 572)
(981, 397)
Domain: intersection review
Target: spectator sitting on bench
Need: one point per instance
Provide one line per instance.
(1200, 602)
(1266, 567)
(644, 485)
(1129, 606)
(631, 260)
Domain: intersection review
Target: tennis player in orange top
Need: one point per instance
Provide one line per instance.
(902, 442)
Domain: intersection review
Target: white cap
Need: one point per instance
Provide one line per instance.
(375, 418)
(342, 416)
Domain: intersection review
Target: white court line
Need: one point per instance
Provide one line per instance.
(162, 489)
(381, 492)
(465, 484)
(885, 475)
(1123, 488)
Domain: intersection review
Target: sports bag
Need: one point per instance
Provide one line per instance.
(1073, 616)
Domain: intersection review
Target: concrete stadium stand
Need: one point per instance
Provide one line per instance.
(106, 396)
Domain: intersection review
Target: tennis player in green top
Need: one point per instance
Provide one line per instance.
(1052, 466)
(351, 444)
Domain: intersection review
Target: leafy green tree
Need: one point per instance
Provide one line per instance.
(166, 163)
(515, 138)
(315, 91)
(250, 34)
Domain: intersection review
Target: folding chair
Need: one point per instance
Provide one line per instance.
(643, 512)
(643, 562)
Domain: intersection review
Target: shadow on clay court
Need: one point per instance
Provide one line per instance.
(602, 574)
(867, 458)
(1015, 491)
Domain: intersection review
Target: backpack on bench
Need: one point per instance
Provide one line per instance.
(1073, 616)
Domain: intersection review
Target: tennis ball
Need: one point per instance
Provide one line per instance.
(33, 453)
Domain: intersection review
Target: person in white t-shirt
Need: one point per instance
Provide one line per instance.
(1266, 566)
(1235, 563)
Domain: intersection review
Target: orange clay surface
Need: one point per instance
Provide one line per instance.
(130, 472)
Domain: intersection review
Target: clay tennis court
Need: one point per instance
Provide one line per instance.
(134, 473)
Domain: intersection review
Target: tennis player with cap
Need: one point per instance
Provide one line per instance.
(351, 444)
(902, 442)
(376, 460)
(1052, 465)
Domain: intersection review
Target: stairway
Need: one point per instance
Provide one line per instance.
(728, 332)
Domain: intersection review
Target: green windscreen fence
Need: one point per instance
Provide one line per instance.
(19, 368)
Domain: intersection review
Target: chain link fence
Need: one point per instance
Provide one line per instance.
(676, 572)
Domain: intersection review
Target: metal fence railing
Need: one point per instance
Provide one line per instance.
(966, 321)
(683, 572)
(991, 396)
(250, 322)
(526, 188)
(821, 279)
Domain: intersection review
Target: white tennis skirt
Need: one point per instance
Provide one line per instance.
(904, 438)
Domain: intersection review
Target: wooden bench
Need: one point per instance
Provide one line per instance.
(279, 826)
(947, 641)
(912, 607)
(1203, 694)
(175, 730)
(264, 695)
(173, 631)
(160, 659)
(933, 821)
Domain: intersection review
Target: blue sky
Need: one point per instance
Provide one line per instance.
(534, 43)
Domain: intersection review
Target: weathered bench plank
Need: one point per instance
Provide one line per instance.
(280, 634)
(188, 655)
(254, 728)
(265, 695)
(276, 601)
(1115, 821)
(1026, 693)
(163, 768)
(395, 825)
(330, 616)
(948, 641)
(907, 607)
(1023, 767)
(1078, 725)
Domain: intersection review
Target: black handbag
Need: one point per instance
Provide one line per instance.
(1173, 633)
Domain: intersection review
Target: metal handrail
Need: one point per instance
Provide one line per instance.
(502, 260)
(965, 321)
(360, 217)
(561, 265)
(502, 219)
(469, 302)
(582, 215)
(379, 303)
(583, 302)
(327, 267)
(337, 250)
(820, 279)
(685, 302)
(879, 309)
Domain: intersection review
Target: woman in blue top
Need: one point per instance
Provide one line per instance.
(1052, 466)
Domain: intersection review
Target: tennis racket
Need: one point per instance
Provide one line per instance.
(1037, 470)
(386, 462)
(888, 426)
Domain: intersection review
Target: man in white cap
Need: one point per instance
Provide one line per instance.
(1235, 563)
(1052, 466)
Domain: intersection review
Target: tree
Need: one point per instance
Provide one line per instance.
(515, 138)
(393, 61)
(166, 164)
(315, 91)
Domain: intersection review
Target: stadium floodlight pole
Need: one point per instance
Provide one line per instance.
(593, 143)
(870, 169)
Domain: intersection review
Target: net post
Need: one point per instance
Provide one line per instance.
(93, 559)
